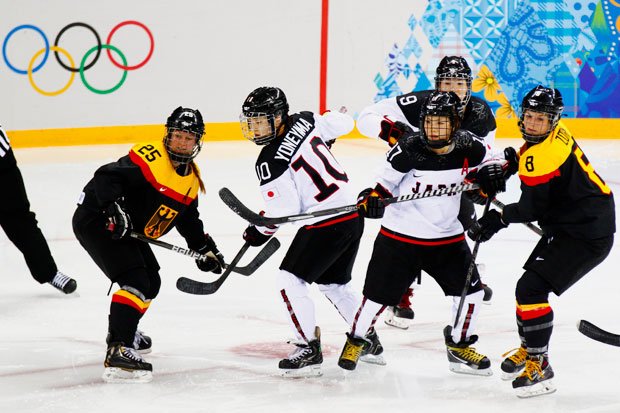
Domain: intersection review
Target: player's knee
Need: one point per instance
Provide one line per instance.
(291, 284)
(336, 291)
(532, 288)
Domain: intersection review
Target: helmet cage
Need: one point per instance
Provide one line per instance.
(248, 121)
(441, 104)
(455, 67)
(553, 121)
(186, 120)
(181, 158)
(544, 101)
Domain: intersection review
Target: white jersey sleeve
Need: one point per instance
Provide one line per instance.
(332, 125)
(369, 120)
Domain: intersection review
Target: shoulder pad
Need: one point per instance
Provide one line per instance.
(479, 117)
(411, 104)
(541, 162)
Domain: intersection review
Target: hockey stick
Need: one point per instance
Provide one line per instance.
(595, 333)
(531, 226)
(190, 286)
(470, 270)
(264, 254)
(256, 219)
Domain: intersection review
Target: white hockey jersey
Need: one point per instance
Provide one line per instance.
(298, 173)
(410, 167)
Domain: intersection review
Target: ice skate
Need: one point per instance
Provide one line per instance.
(125, 365)
(373, 354)
(305, 361)
(142, 343)
(402, 315)
(514, 364)
(352, 351)
(463, 358)
(63, 283)
(536, 378)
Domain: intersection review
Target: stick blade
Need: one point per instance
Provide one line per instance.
(187, 285)
(596, 333)
(268, 250)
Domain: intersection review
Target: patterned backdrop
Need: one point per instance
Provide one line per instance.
(512, 46)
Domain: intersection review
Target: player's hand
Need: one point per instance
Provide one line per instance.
(392, 132)
(489, 177)
(119, 221)
(254, 237)
(369, 204)
(214, 260)
(487, 226)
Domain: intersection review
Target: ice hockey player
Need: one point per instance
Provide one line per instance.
(151, 190)
(425, 234)
(298, 173)
(20, 224)
(391, 118)
(575, 209)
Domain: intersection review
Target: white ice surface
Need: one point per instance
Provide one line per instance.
(219, 353)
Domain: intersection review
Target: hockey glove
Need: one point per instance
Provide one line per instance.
(214, 260)
(477, 196)
(512, 162)
(119, 222)
(490, 178)
(369, 204)
(254, 237)
(487, 226)
(392, 132)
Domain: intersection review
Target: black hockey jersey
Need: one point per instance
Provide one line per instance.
(561, 190)
(478, 116)
(7, 158)
(156, 197)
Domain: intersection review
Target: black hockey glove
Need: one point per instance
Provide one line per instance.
(392, 132)
(119, 221)
(487, 226)
(490, 178)
(254, 237)
(512, 162)
(477, 196)
(214, 260)
(369, 204)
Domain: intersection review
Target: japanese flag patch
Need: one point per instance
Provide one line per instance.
(270, 193)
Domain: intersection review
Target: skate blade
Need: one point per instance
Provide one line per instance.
(464, 369)
(511, 376)
(538, 389)
(372, 359)
(402, 323)
(117, 375)
(308, 371)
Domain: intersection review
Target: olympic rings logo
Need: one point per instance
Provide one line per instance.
(83, 67)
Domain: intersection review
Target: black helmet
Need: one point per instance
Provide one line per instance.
(542, 100)
(440, 104)
(455, 67)
(267, 102)
(188, 120)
